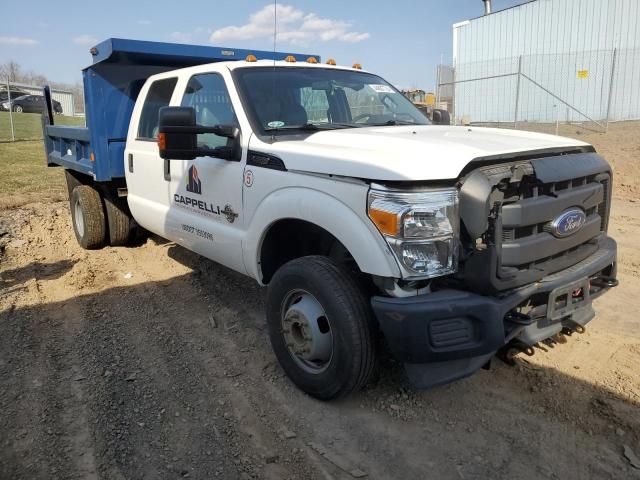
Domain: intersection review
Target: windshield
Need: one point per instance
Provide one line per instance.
(289, 100)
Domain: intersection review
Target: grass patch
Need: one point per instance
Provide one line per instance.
(27, 126)
(25, 175)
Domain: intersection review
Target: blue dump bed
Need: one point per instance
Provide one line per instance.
(111, 86)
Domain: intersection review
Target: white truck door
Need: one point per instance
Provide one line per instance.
(148, 192)
(205, 194)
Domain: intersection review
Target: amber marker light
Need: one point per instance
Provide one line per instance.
(387, 222)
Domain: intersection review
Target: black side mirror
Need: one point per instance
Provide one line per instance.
(178, 136)
(440, 117)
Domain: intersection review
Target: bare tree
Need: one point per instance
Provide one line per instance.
(11, 71)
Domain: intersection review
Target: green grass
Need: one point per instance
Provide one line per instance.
(25, 176)
(27, 126)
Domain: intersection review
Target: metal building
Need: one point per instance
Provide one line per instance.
(64, 97)
(549, 60)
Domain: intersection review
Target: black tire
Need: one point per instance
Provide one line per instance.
(354, 357)
(119, 221)
(87, 214)
(18, 109)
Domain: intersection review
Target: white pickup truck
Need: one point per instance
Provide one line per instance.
(363, 219)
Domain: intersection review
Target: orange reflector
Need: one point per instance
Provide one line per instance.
(251, 58)
(331, 61)
(386, 222)
(357, 66)
(92, 157)
(312, 60)
(162, 141)
(290, 58)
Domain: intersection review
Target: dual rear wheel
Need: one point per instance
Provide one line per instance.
(98, 219)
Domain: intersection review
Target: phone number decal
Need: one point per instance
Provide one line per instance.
(197, 232)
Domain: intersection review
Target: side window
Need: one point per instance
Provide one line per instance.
(208, 95)
(159, 96)
(315, 103)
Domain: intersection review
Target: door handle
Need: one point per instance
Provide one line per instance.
(130, 157)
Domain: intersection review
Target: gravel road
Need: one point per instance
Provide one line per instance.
(152, 362)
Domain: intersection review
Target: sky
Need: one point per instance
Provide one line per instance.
(400, 40)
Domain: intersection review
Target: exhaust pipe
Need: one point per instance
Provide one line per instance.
(487, 6)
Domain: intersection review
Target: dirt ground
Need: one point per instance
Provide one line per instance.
(152, 362)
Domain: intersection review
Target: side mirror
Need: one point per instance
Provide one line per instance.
(440, 117)
(178, 136)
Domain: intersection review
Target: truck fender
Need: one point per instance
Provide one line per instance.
(358, 235)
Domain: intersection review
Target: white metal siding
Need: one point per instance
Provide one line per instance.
(556, 39)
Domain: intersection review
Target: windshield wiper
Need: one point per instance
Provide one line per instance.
(391, 122)
(310, 127)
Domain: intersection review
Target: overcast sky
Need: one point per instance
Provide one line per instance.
(401, 40)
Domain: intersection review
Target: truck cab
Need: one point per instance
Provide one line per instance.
(362, 217)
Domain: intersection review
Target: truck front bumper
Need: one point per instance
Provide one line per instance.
(449, 334)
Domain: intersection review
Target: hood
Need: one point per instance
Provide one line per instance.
(397, 153)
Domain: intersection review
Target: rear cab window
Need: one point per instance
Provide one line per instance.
(158, 96)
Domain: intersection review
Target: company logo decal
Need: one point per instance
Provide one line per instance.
(568, 222)
(194, 185)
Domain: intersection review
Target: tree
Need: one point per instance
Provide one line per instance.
(11, 71)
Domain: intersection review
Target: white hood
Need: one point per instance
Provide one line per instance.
(424, 152)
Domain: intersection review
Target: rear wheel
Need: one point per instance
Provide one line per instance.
(87, 215)
(320, 327)
(119, 221)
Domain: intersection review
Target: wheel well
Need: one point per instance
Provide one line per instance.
(289, 239)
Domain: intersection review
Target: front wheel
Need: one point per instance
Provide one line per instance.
(320, 327)
(18, 109)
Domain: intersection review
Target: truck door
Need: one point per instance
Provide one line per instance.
(205, 194)
(148, 192)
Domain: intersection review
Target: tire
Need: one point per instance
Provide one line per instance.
(18, 109)
(343, 309)
(87, 214)
(119, 221)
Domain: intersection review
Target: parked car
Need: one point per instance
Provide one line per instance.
(4, 95)
(30, 104)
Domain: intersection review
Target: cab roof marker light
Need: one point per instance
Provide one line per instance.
(312, 60)
(331, 61)
(251, 58)
(357, 66)
(290, 58)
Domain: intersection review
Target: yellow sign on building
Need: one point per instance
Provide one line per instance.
(583, 73)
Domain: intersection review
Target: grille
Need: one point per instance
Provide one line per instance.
(529, 208)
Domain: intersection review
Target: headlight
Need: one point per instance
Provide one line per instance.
(5, 105)
(420, 227)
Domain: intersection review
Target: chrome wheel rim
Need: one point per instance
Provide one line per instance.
(306, 331)
(77, 213)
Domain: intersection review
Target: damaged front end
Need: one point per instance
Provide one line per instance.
(534, 253)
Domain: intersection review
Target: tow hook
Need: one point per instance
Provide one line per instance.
(605, 282)
(509, 352)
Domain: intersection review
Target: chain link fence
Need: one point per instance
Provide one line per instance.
(21, 107)
(542, 92)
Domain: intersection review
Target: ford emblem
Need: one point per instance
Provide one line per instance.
(568, 222)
